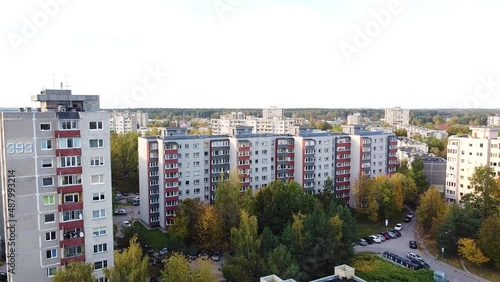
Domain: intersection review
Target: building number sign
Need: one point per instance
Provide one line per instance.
(19, 148)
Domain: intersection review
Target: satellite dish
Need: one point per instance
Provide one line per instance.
(82, 234)
(80, 216)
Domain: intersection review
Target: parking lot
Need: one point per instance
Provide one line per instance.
(132, 212)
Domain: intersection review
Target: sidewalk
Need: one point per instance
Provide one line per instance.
(442, 265)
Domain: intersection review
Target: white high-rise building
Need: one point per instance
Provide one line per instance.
(354, 119)
(493, 121)
(56, 186)
(465, 153)
(123, 122)
(397, 117)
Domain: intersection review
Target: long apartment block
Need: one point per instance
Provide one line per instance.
(56, 186)
(465, 153)
(176, 166)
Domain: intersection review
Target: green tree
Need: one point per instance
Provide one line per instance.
(458, 223)
(418, 176)
(282, 263)
(327, 196)
(176, 269)
(188, 214)
(247, 265)
(75, 271)
(125, 160)
(486, 197)
(401, 132)
(469, 250)
(431, 211)
(208, 233)
(269, 241)
(130, 265)
(403, 167)
(488, 239)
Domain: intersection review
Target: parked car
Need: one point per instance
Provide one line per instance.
(130, 200)
(216, 256)
(392, 234)
(126, 223)
(407, 219)
(136, 203)
(375, 238)
(125, 193)
(381, 237)
(193, 255)
(137, 198)
(420, 262)
(163, 252)
(119, 194)
(120, 212)
(414, 255)
(206, 255)
(413, 244)
(386, 235)
(369, 239)
(396, 232)
(410, 215)
(398, 227)
(362, 242)
(137, 192)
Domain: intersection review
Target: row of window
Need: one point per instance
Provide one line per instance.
(74, 215)
(71, 161)
(70, 125)
(70, 143)
(72, 179)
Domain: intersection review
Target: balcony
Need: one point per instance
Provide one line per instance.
(70, 206)
(69, 170)
(71, 224)
(69, 152)
(72, 241)
(67, 133)
(69, 189)
(76, 258)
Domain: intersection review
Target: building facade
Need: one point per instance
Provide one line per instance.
(123, 122)
(56, 186)
(465, 153)
(354, 119)
(397, 117)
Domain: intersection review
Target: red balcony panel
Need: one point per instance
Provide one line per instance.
(69, 189)
(244, 166)
(171, 170)
(290, 146)
(71, 225)
(71, 242)
(243, 158)
(70, 206)
(291, 171)
(67, 133)
(69, 170)
(171, 151)
(171, 161)
(172, 208)
(171, 189)
(79, 258)
(243, 149)
(68, 152)
(171, 180)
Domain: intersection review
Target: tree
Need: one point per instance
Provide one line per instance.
(282, 263)
(176, 269)
(403, 189)
(401, 132)
(125, 160)
(208, 233)
(403, 167)
(327, 196)
(489, 241)
(418, 176)
(75, 271)
(468, 249)
(247, 265)
(130, 265)
(486, 197)
(458, 223)
(431, 211)
(188, 215)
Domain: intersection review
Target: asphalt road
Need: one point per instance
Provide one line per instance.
(400, 246)
(132, 212)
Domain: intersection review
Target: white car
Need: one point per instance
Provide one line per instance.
(398, 227)
(410, 215)
(376, 239)
(382, 238)
(126, 223)
(415, 256)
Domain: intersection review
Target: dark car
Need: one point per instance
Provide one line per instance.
(125, 193)
(136, 203)
(396, 232)
(216, 256)
(193, 255)
(420, 262)
(413, 244)
(369, 239)
(392, 234)
(386, 235)
(362, 242)
(130, 200)
(407, 219)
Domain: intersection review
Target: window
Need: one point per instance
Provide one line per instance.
(72, 179)
(68, 124)
(97, 161)
(100, 248)
(95, 125)
(71, 161)
(52, 253)
(49, 200)
(50, 236)
(66, 143)
(45, 126)
(46, 144)
(71, 198)
(49, 218)
(96, 143)
(47, 181)
(97, 196)
(72, 215)
(100, 264)
(51, 271)
(97, 179)
(99, 231)
(46, 163)
(97, 214)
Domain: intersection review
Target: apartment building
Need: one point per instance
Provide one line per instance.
(397, 117)
(373, 153)
(142, 118)
(56, 186)
(354, 119)
(465, 153)
(123, 122)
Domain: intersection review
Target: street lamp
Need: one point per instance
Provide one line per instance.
(442, 253)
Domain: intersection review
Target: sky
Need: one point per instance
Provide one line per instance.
(254, 53)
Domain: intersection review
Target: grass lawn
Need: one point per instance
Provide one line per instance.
(374, 268)
(366, 227)
(157, 239)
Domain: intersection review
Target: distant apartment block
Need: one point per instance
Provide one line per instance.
(174, 166)
(142, 118)
(397, 117)
(465, 153)
(354, 119)
(56, 186)
(273, 122)
(493, 121)
(425, 132)
(122, 122)
(434, 166)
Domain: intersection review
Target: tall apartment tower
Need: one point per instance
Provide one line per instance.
(354, 119)
(465, 153)
(397, 117)
(56, 186)
(123, 122)
(272, 113)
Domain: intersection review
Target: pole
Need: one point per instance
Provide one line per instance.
(442, 254)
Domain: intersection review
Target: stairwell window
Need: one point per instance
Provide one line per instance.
(97, 179)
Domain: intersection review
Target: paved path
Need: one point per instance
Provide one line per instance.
(400, 247)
